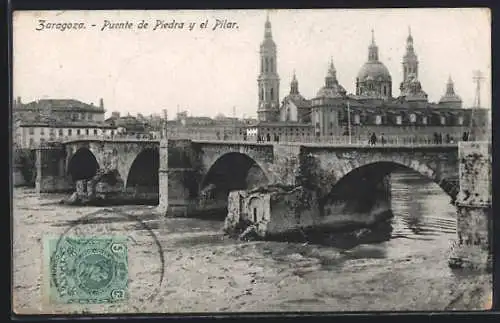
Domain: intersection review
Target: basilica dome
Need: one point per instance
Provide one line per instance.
(374, 70)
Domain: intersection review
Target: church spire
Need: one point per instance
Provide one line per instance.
(294, 85)
(450, 88)
(267, 28)
(373, 49)
(331, 76)
(409, 42)
(410, 59)
(450, 98)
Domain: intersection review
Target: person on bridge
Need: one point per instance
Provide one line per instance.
(268, 137)
(465, 136)
(373, 139)
(382, 139)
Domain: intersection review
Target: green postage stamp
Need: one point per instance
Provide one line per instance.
(86, 270)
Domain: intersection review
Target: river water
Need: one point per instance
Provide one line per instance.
(206, 271)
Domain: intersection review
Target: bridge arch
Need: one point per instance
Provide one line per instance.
(233, 171)
(142, 176)
(82, 164)
(385, 166)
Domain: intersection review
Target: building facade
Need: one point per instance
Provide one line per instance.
(371, 109)
(45, 120)
(30, 134)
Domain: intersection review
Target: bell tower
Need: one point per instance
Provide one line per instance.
(268, 80)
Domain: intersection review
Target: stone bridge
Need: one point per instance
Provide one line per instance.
(193, 170)
(60, 165)
(192, 166)
(192, 176)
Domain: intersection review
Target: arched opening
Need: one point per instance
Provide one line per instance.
(82, 165)
(142, 179)
(232, 171)
(394, 201)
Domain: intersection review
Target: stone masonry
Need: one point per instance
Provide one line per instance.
(311, 168)
(473, 247)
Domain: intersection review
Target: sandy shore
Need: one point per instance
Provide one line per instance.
(207, 272)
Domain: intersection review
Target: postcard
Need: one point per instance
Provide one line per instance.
(231, 161)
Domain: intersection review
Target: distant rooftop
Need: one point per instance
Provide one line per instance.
(60, 104)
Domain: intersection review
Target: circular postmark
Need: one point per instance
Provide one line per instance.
(107, 256)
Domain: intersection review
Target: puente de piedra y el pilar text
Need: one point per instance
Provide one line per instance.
(191, 177)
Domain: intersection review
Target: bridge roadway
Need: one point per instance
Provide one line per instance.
(390, 142)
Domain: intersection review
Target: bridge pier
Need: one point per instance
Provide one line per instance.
(17, 170)
(177, 178)
(473, 248)
(163, 177)
(50, 169)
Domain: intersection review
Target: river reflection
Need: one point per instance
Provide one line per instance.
(423, 222)
(421, 208)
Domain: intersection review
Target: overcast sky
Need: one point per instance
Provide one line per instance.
(208, 72)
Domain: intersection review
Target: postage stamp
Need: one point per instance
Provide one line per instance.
(87, 270)
(354, 144)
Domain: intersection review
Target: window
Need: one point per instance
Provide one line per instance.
(254, 214)
(32, 142)
(272, 65)
(70, 132)
(413, 118)
(77, 132)
(272, 94)
(95, 132)
(60, 132)
(87, 132)
(42, 131)
(267, 65)
(262, 94)
(112, 132)
(331, 125)
(31, 131)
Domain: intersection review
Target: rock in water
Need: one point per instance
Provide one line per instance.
(72, 200)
